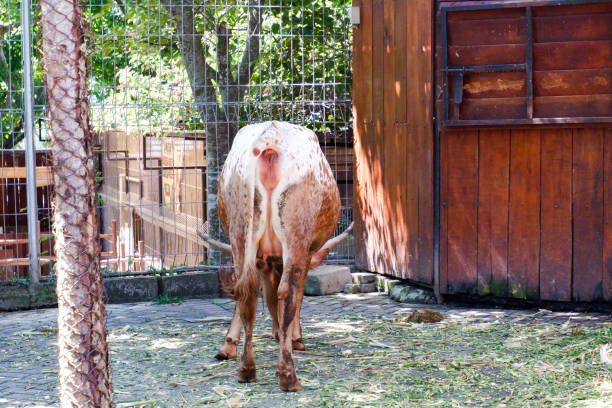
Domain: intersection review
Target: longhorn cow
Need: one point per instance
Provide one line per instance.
(279, 203)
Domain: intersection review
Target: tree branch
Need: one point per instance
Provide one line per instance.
(189, 38)
(4, 68)
(251, 51)
(224, 78)
(122, 7)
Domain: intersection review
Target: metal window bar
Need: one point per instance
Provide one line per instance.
(457, 71)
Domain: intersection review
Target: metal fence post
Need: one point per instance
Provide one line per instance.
(30, 148)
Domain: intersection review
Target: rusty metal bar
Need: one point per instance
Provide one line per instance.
(529, 61)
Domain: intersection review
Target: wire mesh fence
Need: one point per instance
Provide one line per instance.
(170, 83)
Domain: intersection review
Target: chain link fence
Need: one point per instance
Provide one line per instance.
(170, 83)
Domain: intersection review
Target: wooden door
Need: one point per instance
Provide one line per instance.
(393, 127)
(526, 212)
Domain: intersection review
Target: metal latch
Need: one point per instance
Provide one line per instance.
(457, 87)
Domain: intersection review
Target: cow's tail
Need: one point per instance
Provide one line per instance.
(267, 175)
(228, 278)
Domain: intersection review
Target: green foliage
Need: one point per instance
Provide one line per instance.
(165, 299)
(137, 78)
(11, 70)
(306, 50)
(151, 94)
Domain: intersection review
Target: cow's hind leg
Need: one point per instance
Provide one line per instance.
(270, 273)
(289, 291)
(229, 349)
(248, 306)
(297, 342)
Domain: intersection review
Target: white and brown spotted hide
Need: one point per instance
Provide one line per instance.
(279, 203)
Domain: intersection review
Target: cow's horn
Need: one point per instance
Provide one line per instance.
(319, 256)
(335, 241)
(209, 242)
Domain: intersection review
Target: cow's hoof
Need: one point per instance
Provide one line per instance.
(289, 381)
(226, 354)
(222, 356)
(247, 375)
(228, 351)
(298, 345)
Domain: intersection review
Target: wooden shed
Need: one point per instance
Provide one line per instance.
(483, 146)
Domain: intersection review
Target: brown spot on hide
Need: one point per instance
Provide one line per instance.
(289, 311)
(287, 358)
(315, 245)
(282, 202)
(256, 206)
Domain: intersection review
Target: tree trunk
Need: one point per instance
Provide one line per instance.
(82, 348)
(221, 121)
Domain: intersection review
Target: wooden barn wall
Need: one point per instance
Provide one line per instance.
(572, 61)
(393, 100)
(527, 212)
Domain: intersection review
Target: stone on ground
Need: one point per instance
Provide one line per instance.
(360, 287)
(385, 283)
(412, 294)
(363, 277)
(327, 280)
(200, 284)
(130, 289)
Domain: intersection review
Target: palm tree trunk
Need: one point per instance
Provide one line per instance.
(82, 348)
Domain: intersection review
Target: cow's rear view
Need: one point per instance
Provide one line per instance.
(277, 200)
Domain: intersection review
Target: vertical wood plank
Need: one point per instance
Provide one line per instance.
(607, 254)
(358, 136)
(462, 168)
(524, 222)
(493, 187)
(362, 116)
(413, 170)
(380, 227)
(556, 213)
(588, 214)
(402, 147)
(443, 214)
(421, 57)
(392, 177)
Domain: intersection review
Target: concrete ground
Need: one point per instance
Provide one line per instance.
(357, 346)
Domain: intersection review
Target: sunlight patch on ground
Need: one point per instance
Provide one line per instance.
(169, 344)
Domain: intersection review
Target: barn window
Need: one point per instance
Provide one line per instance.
(534, 62)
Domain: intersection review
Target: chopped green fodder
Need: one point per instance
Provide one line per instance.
(353, 362)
